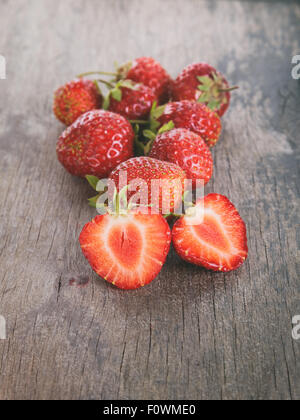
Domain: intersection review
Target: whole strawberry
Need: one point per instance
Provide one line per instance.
(212, 234)
(132, 100)
(95, 144)
(76, 98)
(150, 73)
(187, 150)
(160, 184)
(192, 116)
(204, 84)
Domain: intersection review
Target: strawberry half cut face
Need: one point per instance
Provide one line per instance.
(218, 241)
(128, 251)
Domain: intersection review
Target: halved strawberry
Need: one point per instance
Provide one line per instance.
(216, 238)
(127, 250)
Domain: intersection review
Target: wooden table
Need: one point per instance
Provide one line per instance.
(191, 334)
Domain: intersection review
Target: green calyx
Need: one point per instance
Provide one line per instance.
(95, 183)
(167, 127)
(93, 201)
(114, 85)
(120, 73)
(151, 136)
(155, 114)
(145, 138)
(213, 91)
(116, 91)
(119, 205)
(123, 70)
(98, 186)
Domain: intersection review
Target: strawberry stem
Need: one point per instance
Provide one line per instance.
(91, 73)
(230, 89)
(106, 83)
(148, 147)
(120, 203)
(141, 122)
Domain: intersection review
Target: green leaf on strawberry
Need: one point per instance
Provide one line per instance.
(205, 80)
(166, 127)
(93, 201)
(116, 93)
(126, 84)
(106, 102)
(93, 181)
(149, 134)
(156, 113)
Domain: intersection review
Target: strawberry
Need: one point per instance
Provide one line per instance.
(212, 234)
(187, 150)
(149, 72)
(133, 101)
(76, 98)
(127, 250)
(204, 84)
(95, 144)
(163, 200)
(192, 116)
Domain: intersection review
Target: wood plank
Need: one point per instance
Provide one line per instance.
(191, 334)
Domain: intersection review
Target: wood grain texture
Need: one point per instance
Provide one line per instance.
(191, 334)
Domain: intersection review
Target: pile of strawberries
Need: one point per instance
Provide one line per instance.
(154, 128)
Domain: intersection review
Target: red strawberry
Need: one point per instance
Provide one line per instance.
(149, 72)
(133, 101)
(194, 117)
(74, 99)
(187, 150)
(95, 144)
(147, 170)
(128, 251)
(218, 241)
(203, 83)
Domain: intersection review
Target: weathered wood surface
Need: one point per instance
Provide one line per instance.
(191, 334)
